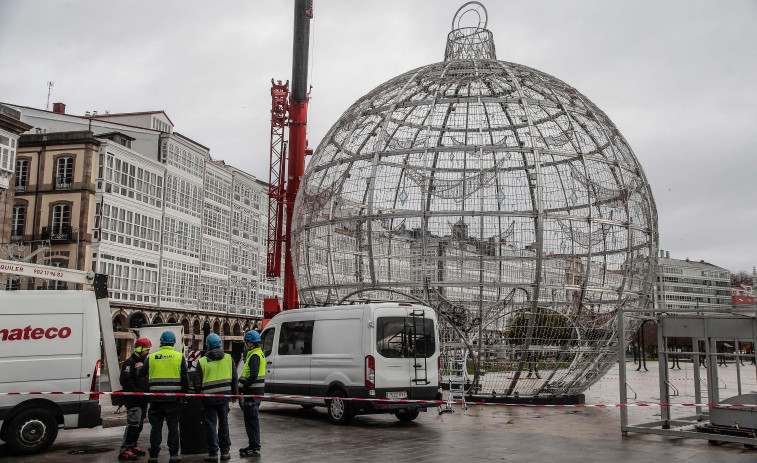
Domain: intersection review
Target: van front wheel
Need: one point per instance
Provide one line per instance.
(31, 431)
(406, 416)
(338, 409)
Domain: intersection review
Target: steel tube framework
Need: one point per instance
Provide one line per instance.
(497, 194)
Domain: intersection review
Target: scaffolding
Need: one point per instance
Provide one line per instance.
(712, 339)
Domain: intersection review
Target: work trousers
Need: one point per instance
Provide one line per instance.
(216, 418)
(135, 420)
(251, 422)
(170, 412)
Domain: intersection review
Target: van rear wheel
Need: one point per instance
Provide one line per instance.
(339, 410)
(31, 431)
(406, 417)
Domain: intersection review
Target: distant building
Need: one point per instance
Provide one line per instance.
(179, 234)
(687, 284)
(742, 297)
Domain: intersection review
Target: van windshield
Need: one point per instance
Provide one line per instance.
(268, 341)
(405, 337)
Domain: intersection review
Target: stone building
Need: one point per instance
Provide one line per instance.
(54, 203)
(10, 129)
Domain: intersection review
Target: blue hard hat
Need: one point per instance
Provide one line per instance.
(252, 336)
(168, 338)
(213, 341)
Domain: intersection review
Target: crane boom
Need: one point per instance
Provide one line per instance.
(276, 179)
(289, 184)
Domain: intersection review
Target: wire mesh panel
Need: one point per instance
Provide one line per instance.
(495, 193)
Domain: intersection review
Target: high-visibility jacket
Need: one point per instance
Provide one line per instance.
(216, 375)
(165, 370)
(258, 386)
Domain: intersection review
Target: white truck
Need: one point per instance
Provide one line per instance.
(373, 351)
(50, 341)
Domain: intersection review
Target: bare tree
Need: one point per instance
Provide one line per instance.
(741, 278)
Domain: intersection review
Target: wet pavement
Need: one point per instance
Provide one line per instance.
(481, 433)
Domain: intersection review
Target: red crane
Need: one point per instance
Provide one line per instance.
(288, 109)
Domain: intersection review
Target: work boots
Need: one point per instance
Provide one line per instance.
(127, 455)
(249, 452)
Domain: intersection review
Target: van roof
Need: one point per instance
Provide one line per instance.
(353, 307)
(369, 304)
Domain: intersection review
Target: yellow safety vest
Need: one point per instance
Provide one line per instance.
(260, 381)
(216, 375)
(165, 370)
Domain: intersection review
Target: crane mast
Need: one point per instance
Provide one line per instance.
(289, 109)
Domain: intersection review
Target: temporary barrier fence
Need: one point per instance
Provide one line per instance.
(274, 397)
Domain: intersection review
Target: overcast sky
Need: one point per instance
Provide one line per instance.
(678, 78)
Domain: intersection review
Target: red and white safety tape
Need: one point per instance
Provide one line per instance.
(615, 378)
(356, 399)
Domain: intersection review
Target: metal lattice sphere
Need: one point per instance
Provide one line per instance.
(495, 193)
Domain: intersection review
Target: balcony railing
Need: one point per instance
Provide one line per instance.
(57, 233)
(16, 234)
(20, 189)
(62, 183)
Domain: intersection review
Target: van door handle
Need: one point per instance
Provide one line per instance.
(269, 363)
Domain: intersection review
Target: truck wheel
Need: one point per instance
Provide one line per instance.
(406, 417)
(31, 431)
(339, 410)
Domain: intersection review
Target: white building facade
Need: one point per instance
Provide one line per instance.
(174, 229)
(687, 284)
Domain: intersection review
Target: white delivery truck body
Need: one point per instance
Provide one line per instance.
(387, 350)
(154, 332)
(49, 341)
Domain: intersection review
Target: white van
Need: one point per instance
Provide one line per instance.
(49, 341)
(381, 351)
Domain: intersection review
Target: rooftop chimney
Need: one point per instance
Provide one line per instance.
(667, 254)
(59, 108)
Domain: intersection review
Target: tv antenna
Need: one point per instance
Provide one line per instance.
(50, 85)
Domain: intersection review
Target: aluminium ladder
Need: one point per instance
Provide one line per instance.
(457, 366)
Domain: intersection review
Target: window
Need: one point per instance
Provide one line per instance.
(22, 174)
(61, 217)
(296, 338)
(17, 221)
(267, 341)
(405, 337)
(64, 173)
(56, 284)
(7, 153)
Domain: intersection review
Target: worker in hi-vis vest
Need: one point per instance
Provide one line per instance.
(166, 371)
(252, 382)
(216, 374)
